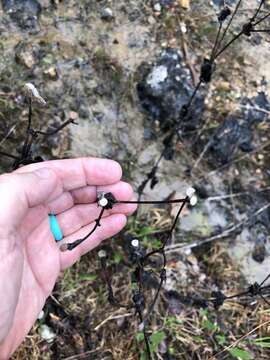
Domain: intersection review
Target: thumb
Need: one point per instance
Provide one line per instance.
(21, 191)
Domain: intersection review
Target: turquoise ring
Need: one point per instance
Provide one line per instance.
(55, 228)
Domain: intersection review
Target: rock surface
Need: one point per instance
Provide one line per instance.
(24, 12)
(165, 86)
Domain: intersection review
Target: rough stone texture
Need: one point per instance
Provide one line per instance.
(165, 86)
(24, 12)
(233, 133)
(237, 130)
(256, 109)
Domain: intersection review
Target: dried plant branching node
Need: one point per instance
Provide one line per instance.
(106, 200)
(138, 300)
(247, 29)
(225, 12)
(254, 289)
(219, 298)
(163, 275)
(207, 69)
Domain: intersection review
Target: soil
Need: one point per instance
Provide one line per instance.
(123, 70)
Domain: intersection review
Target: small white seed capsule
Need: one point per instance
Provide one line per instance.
(135, 243)
(193, 200)
(190, 192)
(33, 93)
(102, 254)
(103, 202)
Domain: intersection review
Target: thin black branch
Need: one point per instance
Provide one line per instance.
(216, 41)
(112, 299)
(229, 24)
(258, 10)
(261, 31)
(229, 44)
(141, 202)
(262, 19)
(65, 247)
(55, 131)
(3, 153)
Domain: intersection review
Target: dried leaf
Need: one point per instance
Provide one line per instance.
(184, 3)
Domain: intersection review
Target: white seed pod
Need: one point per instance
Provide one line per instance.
(190, 192)
(193, 200)
(103, 202)
(135, 243)
(33, 93)
(102, 254)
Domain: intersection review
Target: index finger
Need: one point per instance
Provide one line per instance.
(76, 173)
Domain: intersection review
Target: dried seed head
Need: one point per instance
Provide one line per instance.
(102, 254)
(190, 192)
(135, 243)
(33, 93)
(193, 200)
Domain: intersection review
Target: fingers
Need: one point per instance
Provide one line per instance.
(62, 203)
(19, 192)
(110, 226)
(84, 195)
(76, 173)
(83, 214)
(88, 195)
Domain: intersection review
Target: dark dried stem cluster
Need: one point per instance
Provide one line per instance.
(254, 290)
(140, 260)
(26, 156)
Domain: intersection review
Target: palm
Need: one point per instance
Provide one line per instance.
(34, 260)
(41, 267)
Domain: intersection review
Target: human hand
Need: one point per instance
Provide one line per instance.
(30, 259)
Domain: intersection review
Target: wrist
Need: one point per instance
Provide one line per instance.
(5, 350)
(11, 268)
(6, 341)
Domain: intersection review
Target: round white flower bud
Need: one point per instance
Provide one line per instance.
(103, 202)
(190, 192)
(135, 243)
(193, 200)
(102, 254)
